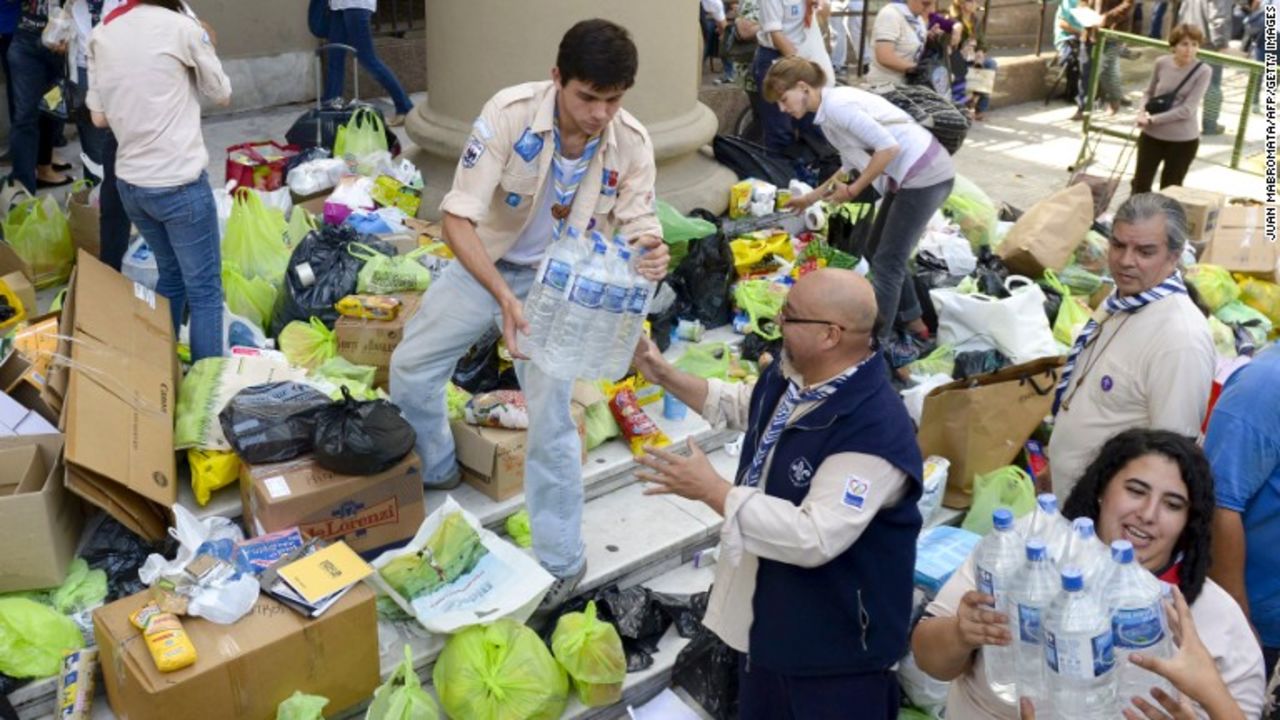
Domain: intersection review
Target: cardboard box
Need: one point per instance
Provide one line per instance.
(16, 275)
(492, 459)
(16, 419)
(85, 222)
(247, 669)
(1240, 243)
(37, 514)
(116, 399)
(1202, 207)
(371, 342)
(22, 381)
(371, 513)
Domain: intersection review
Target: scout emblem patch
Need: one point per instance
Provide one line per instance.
(801, 472)
(855, 492)
(609, 182)
(528, 146)
(471, 155)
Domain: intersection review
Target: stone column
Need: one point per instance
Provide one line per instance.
(478, 47)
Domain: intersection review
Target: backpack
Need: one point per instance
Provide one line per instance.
(749, 160)
(932, 111)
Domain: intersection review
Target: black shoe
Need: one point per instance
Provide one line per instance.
(1079, 116)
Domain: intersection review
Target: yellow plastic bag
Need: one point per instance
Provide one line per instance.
(308, 344)
(38, 231)
(1214, 284)
(211, 470)
(1262, 296)
(590, 650)
(752, 253)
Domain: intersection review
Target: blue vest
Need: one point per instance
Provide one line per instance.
(852, 614)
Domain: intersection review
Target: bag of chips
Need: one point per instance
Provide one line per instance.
(638, 428)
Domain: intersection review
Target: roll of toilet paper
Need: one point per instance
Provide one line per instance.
(306, 276)
(815, 217)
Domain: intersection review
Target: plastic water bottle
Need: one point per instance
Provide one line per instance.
(547, 297)
(1085, 551)
(1046, 523)
(1078, 655)
(1033, 592)
(637, 310)
(567, 349)
(1135, 599)
(612, 315)
(998, 562)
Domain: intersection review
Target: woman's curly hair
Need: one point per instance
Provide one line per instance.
(1085, 499)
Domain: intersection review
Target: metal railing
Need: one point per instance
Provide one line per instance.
(1238, 80)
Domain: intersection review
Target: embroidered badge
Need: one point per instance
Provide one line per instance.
(474, 150)
(855, 492)
(482, 128)
(528, 146)
(801, 472)
(1107, 383)
(513, 199)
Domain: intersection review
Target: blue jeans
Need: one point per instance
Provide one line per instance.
(779, 128)
(900, 221)
(1157, 19)
(351, 27)
(180, 225)
(34, 69)
(984, 100)
(100, 145)
(455, 312)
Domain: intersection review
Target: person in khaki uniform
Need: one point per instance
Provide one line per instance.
(542, 158)
(814, 581)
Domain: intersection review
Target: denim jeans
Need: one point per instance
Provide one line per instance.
(1157, 19)
(351, 27)
(5, 41)
(34, 69)
(180, 225)
(779, 128)
(100, 145)
(455, 312)
(900, 221)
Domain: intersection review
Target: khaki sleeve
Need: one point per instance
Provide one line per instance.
(728, 404)
(636, 212)
(480, 167)
(885, 28)
(1179, 383)
(846, 492)
(212, 82)
(92, 99)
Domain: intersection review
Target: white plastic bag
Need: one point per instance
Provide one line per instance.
(951, 248)
(913, 397)
(503, 582)
(1016, 326)
(218, 596)
(936, 469)
(278, 198)
(222, 203)
(316, 176)
(139, 264)
(60, 29)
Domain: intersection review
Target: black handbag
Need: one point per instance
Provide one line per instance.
(318, 127)
(1164, 102)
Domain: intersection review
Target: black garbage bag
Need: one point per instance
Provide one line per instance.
(361, 437)
(328, 274)
(708, 670)
(638, 616)
(703, 278)
(991, 273)
(978, 362)
(685, 611)
(1052, 302)
(751, 160)
(272, 422)
(480, 370)
(931, 272)
(1008, 213)
(849, 226)
(753, 346)
(119, 553)
(665, 313)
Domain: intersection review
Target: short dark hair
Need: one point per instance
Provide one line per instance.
(1183, 32)
(1085, 499)
(1144, 206)
(599, 53)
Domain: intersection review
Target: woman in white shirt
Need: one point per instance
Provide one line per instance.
(349, 25)
(1153, 488)
(912, 171)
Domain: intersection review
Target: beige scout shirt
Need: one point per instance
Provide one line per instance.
(759, 526)
(892, 26)
(1150, 369)
(1219, 621)
(497, 184)
(147, 69)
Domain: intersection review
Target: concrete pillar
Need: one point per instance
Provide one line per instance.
(478, 47)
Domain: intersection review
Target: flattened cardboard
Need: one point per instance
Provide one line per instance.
(85, 221)
(371, 342)
(1202, 208)
(118, 397)
(39, 516)
(1240, 243)
(247, 669)
(493, 459)
(370, 513)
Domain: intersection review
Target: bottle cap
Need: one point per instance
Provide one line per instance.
(1083, 527)
(1072, 579)
(1002, 518)
(1122, 551)
(1048, 502)
(1036, 550)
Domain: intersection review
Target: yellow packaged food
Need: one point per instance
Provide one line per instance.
(740, 199)
(170, 647)
(75, 684)
(211, 470)
(369, 307)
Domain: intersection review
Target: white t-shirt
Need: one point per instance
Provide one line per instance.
(714, 8)
(536, 236)
(370, 5)
(859, 123)
(785, 16)
(895, 24)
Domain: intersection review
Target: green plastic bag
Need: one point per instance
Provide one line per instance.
(362, 135)
(601, 425)
(942, 361)
(762, 300)
(39, 233)
(1092, 253)
(678, 230)
(1072, 313)
(1224, 338)
(386, 274)
(300, 706)
(1215, 285)
(1008, 487)
(707, 360)
(300, 223)
(357, 379)
(308, 344)
(33, 638)
(1080, 280)
(252, 298)
(456, 398)
(254, 239)
(590, 650)
(498, 672)
(970, 208)
(401, 697)
(83, 589)
(1255, 323)
(519, 529)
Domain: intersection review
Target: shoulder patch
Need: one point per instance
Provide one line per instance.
(482, 129)
(473, 152)
(855, 492)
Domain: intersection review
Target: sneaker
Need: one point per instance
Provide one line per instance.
(396, 120)
(561, 590)
(449, 483)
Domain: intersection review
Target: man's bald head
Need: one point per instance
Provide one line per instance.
(841, 296)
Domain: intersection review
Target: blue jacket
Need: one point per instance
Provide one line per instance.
(852, 614)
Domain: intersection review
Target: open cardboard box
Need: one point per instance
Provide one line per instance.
(371, 342)
(1240, 243)
(116, 398)
(37, 514)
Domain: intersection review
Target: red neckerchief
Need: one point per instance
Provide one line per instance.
(120, 11)
(1172, 574)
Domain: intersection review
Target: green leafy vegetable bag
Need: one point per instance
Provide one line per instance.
(308, 344)
(590, 650)
(973, 211)
(762, 300)
(500, 671)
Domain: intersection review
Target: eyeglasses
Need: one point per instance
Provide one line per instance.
(785, 320)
